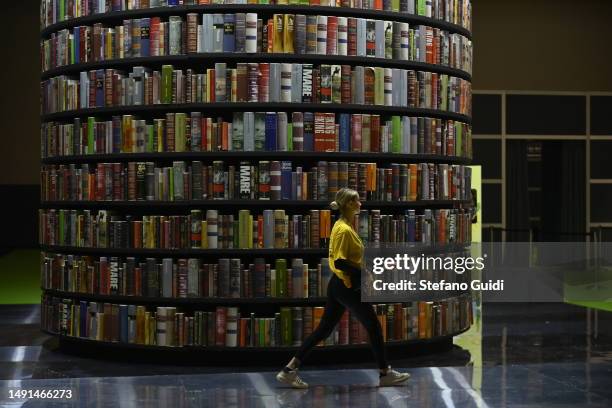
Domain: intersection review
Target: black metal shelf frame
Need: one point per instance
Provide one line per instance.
(117, 17)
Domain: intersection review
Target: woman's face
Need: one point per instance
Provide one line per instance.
(355, 205)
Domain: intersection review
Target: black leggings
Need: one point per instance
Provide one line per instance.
(339, 297)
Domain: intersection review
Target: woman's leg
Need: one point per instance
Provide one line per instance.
(331, 316)
(364, 312)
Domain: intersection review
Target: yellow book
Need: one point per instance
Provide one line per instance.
(128, 133)
(288, 33)
(305, 279)
(234, 76)
(277, 28)
(210, 73)
(159, 134)
(250, 232)
(100, 326)
(204, 234)
(147, 331)
(140, 324)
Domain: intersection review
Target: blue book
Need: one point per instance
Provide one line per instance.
(77, 45)
(411, 228)
(145, 29)
(172, 3)
(83, 322)
(308, 131)
(229, 29)
(345, 132)
(123, 323)
(99, 87)
(286, 180)
(270, 131)
(116, 134)
(116, 6)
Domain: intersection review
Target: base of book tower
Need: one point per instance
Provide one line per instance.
(246, 356)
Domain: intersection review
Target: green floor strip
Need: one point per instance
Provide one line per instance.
(19, 271)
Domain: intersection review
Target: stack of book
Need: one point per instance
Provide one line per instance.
(225, 326)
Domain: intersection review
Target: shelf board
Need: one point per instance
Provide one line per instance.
(185, 301)
(219, 107)
(248, 204)
(187, 349)
(178, 253)
(275, 155)
(235, 252)
(200, 59)
(117, 17)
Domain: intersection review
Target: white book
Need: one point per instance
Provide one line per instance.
(405, 148)
(296, 83)
(342, 47)
(162, 326)
(84, 90)
(380, 39)
(208, 32)
(322, 35)
(404, 40)
(281, 131)
(388, 86)
(231, 327)
(212, 217)
(200, 39)
(361, 37)
(404, 88)
(274, 82)
(286, 78)
(396, 78)
(251, 33)
(249, 131)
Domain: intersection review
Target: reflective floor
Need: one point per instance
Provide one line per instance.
(516, 356)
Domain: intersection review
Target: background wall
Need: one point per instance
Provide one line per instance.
(529, 45)
(550, 45)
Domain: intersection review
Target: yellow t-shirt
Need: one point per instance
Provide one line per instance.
(344, 243)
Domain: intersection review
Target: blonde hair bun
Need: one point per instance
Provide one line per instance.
(334, 205)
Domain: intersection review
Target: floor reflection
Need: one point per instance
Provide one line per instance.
(516, 355)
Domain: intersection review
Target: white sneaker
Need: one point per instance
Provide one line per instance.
(392, 377)
(291, 378)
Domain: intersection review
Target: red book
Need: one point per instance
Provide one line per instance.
(375, 133)
(330, 132)
(343, 328)
(154, 36)
(220, 319)
(352, 36)
(264, 82)
(345, 84)
(429, 47)
(320, 135)
(332, 35)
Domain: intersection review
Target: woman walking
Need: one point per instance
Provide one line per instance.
(345, 259)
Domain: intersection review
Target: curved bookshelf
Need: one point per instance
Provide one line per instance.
(193, 60)
(53, 302)
(188, 252)
(276, 155)
(255, 106)
(269, 9)
(187, 301)
(187, 204)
